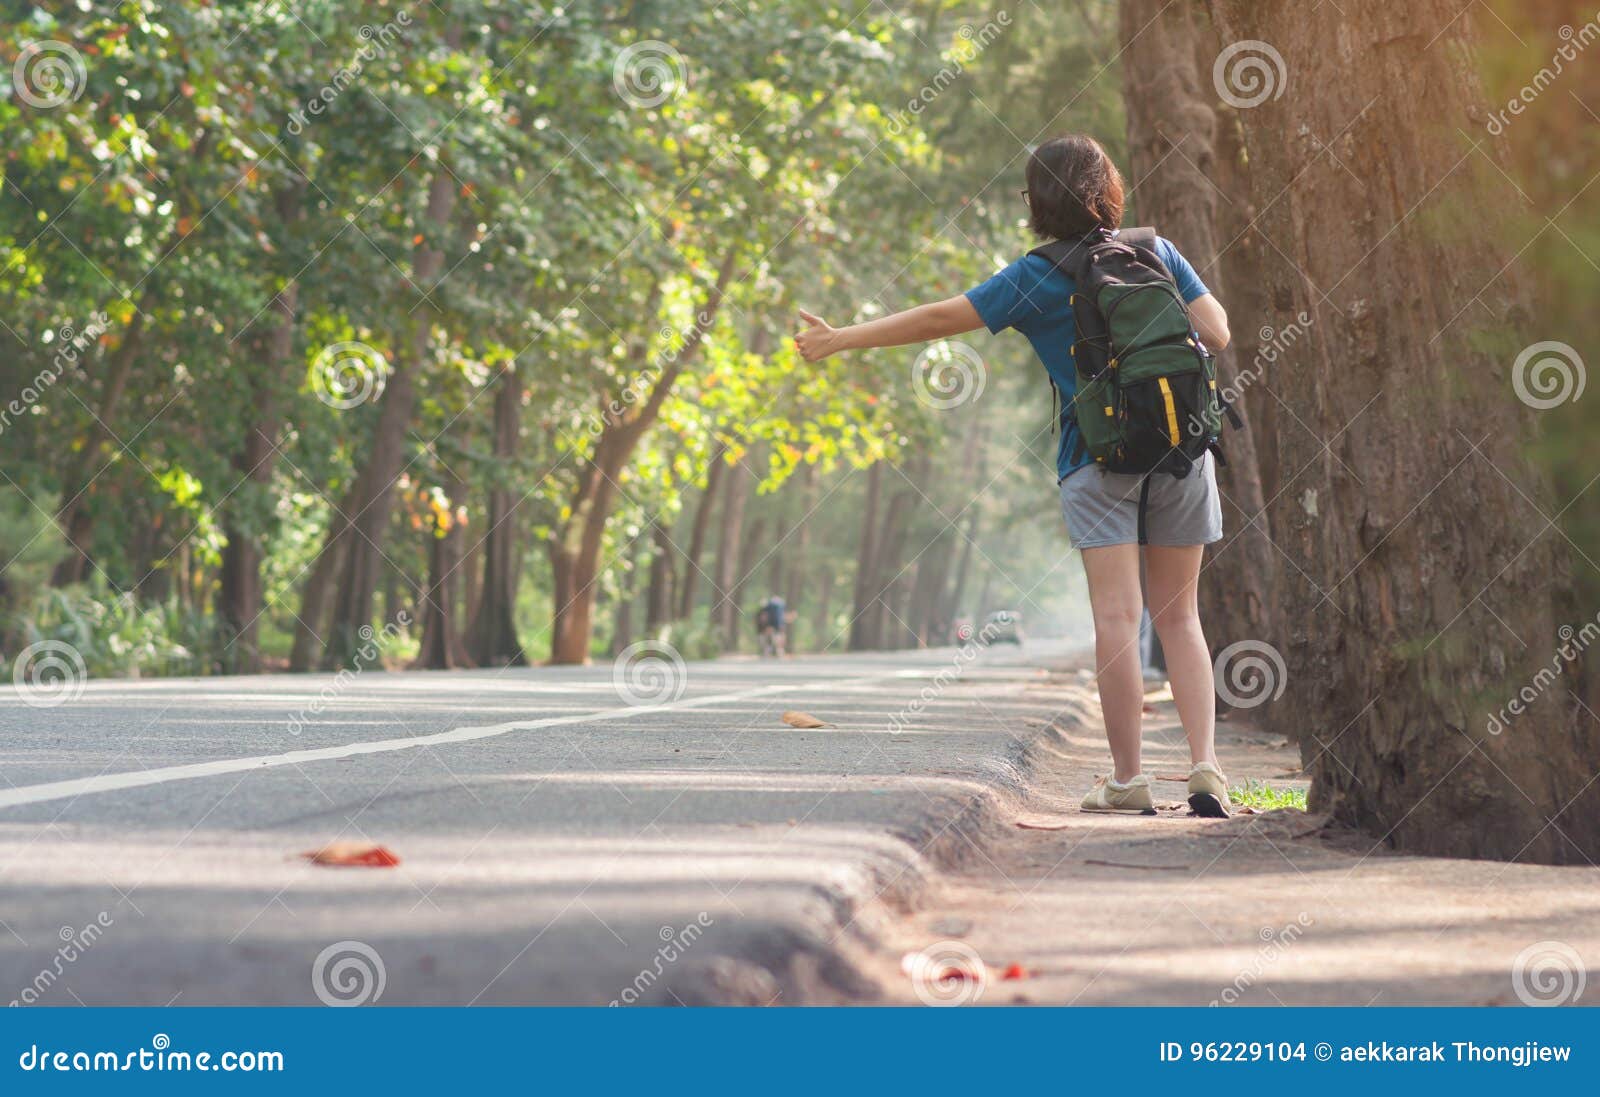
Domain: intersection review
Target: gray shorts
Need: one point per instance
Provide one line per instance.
(1102, 508)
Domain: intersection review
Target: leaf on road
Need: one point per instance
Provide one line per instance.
(803, 720)
(352, 855)
(1042, 822)
(1014, 972)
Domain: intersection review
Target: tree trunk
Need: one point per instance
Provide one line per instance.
(866, 562)
(575, 547)
(795, 570)
(239, 596)
(697, 535)
(725, 608)
(575, 551)
(658, 602)
(1172, 128)
(888, 573)
(751, 549)
(775, 562)
(1423, 613)
(365, 510)
(494, 640)
(823, 632)
(442, 647)
(310, 624)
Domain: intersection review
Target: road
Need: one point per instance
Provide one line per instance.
(565, 836)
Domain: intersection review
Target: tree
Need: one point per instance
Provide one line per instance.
(1172, 152)
(1412, 637)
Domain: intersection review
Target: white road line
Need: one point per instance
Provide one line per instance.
(113, 782)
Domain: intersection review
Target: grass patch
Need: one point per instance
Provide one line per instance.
(1265, 797)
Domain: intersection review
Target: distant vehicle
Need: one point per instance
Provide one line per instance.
(1003, 626)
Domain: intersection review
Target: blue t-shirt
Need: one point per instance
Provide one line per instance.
(1031, 295)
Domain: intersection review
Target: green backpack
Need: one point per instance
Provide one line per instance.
(1147, 399)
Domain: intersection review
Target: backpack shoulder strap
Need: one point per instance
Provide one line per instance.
(1065, 255)
(1139, 238)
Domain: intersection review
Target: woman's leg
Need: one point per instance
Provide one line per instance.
(1115, 597)
(1171, 577)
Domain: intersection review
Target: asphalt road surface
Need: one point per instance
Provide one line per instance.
(566, 835)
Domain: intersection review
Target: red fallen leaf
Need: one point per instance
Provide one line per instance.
(352, 855)
(1015, 971)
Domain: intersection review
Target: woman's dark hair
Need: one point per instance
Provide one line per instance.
(1073, 187)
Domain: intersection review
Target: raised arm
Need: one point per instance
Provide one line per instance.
(922, 324)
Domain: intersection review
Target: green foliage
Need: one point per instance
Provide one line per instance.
(219, 155)
(1266, 797)
(118, 636)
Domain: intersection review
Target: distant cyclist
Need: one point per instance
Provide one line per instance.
(771, 620)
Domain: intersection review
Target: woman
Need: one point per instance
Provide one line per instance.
(1073, 188)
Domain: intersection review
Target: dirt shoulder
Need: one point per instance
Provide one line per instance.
(1256, 910)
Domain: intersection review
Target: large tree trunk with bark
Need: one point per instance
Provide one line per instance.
(1172, 144)
(494, 642)
(1419, 594)
(365, 510)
